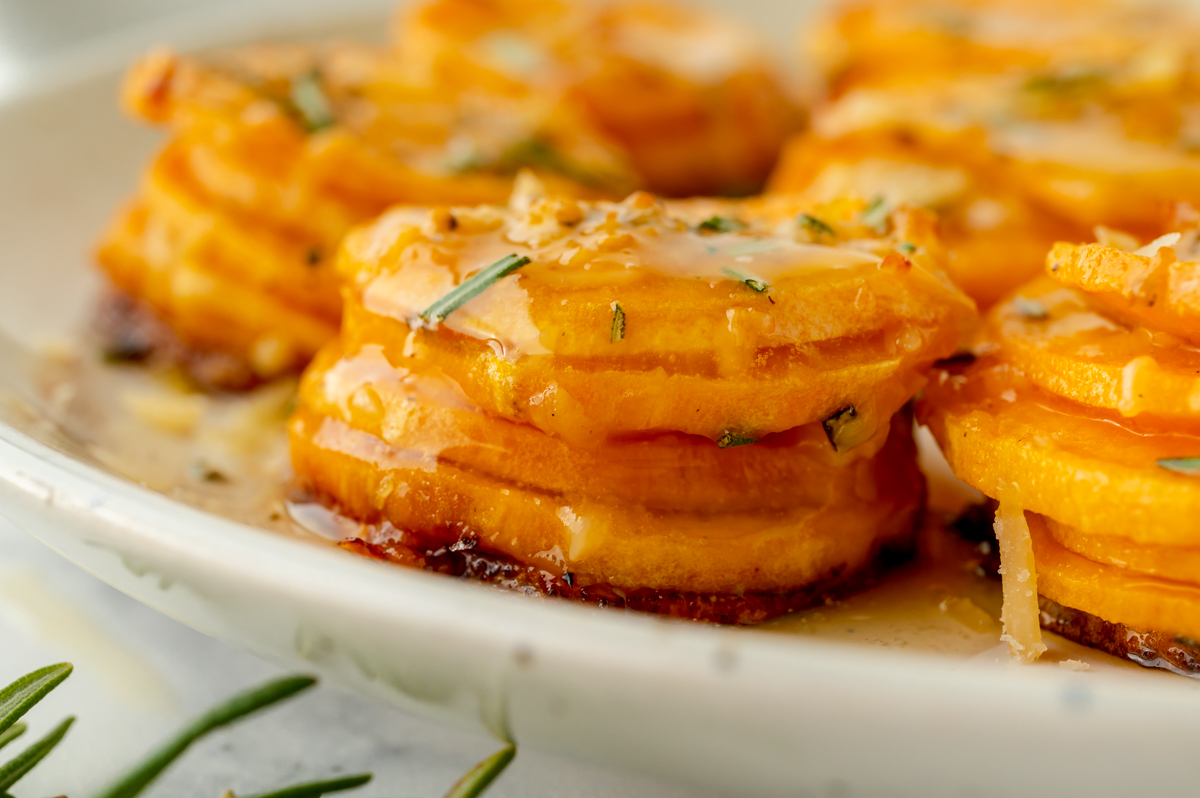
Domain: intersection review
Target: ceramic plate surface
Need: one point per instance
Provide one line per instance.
(742, 712)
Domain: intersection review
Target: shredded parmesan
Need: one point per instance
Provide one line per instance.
(1022, 631)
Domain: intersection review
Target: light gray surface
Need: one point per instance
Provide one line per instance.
(140, 674)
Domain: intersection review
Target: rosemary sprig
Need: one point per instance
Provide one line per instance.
(472, 287)
(15, 731)
(20, 696)
(313, 789)
(477, 779)
(223, 714)
(310, 102)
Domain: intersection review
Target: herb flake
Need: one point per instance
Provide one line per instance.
(308, 98)
(618, 323)
(731, 439)
(720, 224)
(754, 284)
(815, 226)
(906, 248)
(875, 215)
(1182, 465)
(472, 287)
(1030, 309)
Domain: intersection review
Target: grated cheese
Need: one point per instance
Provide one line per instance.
(1022, 630)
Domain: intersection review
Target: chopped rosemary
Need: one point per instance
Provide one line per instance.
(758, 246)
(203, 472)
(755, 285)
(477, 779)
(310, 102)
(815, 226)
(906, 248)
(618, 322)
(845, 429)
(731, 439)
(875, 215)
(720, 224)
(1182, 465)
(314, 789)
(1030, 308)
(472, 287)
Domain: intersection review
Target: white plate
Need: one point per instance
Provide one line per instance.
(742, 712)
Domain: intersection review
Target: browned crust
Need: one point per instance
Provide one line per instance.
(464, 559)
(131, 332)
(1150, 648)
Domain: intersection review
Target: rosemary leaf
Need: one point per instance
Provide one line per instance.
(875, 216)
(239, 706)
(18, 766)
(477, 779)
(906, 247)
(1182, 465)
(21, 696)
(755, 284)
(731, 439)
(15, 731)
(720, 224)
(815, 226)
(471, 287)
(1030, 309)
(618, 323)
(315, 789)
(311, 103)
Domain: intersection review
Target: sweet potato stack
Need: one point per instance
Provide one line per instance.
(275, 152)
(692, 408)
(1080, 413)
(1022, 122)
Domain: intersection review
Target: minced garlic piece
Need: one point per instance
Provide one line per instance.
(1022, 630)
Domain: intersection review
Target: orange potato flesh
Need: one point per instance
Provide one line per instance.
(427, 415)
(1056, 338)
(996, 238)
(238, 218)
(1115, 594)
(1157, 291)
(621, 544)
(686, 93)
(1087, 468)
(1177, 563)
(701, 350)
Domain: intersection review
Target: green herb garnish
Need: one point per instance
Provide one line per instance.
(1182, 465)
(308, 98)
(20, 696)
(477, 779)
(845, 429)
(618, 323)
(906, 248)
(755, 285)
(472, 287)
(1030, 308)
(875, 215)
(720, 224)
(815, 226)
(731, 439)
(236, 708)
